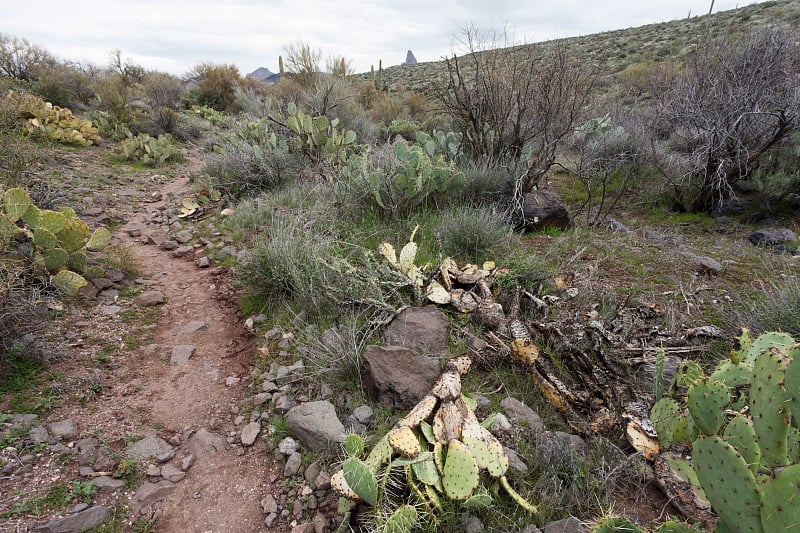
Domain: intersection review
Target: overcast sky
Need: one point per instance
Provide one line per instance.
(175, 35)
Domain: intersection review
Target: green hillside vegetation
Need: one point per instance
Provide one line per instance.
(351, 197)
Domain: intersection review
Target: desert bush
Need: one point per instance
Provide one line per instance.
(473, 234)
(736, 99)
(214, 86)
(21, 303)
(777, 175)
(285, 263)
(108, 126)
(252, 159)
(485, 185)
(46, 121)
(21, 59)
(777, 308)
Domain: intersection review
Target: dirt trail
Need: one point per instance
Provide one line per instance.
(223, 489)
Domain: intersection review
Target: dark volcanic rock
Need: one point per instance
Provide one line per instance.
(543, 208)
(422, 329)
(397, 375)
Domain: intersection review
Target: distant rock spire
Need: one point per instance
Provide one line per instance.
(410, 59)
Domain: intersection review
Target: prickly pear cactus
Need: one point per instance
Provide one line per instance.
(747, 460)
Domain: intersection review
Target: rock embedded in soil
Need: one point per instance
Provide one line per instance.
(149, 447)
(150, 298)
(250, 433)
(521, 414)
(181, 354)
(81, 521)
(424, 330)
(293, 464)
(172, 473)
(316, 425)
(108, 484)
(205, 443)
(567, 525)
(398, 376)
(64, 429)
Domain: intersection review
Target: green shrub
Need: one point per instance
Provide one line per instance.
(483, 185)
(779, 174)
(777, 309)
(253, 159)
(474, 234)
(109, 126)
(150, 151)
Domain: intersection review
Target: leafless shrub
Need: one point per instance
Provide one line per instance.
(736, 98)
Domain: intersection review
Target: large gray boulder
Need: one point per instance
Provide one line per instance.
(398, 376)
(82, 521)
(422, 329)
(781, 239)
(315, 425)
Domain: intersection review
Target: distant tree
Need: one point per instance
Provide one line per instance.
(22, 60)
(215, 86)
(507, 103)
(303, 64)
(736, 98)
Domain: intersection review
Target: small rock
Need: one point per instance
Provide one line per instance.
(250, 433)
(150, 298)
(261, 398)
(64, 429)
(285, 403)
(183, 236)
(315, 425)
(181, 354)
(133, 229)
(203, 262)
(567, 525)
(78, 508)
(500, 424)
(192, 327)
(288, 446)
(271, 520)
(306, 527)
(108, 484)
(39, 435)
(781, 236)
(514, 460)
(363, 414)
(149, 447)
(180, 251)
(172, 473)
(522, 414)
(421, 329)
(323, 481)
(187, 462)
(312, 472)
(269, 504)
(227, 212)
(293, 464)
(230, 381)
(153, 471)
(471, 523)
(320, 523)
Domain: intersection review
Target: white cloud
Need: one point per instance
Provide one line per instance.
(175, 35)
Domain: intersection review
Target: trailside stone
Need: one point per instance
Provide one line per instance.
(315, 425)
(782, 239)
(108, 484)
(567, 525)
(521, 414)
(205, 443)
(149, 447)
(81, 521)
(150, 298)
(398, 376)
(250, 433)
(422, 329)
(181, 354)
(172, 473)
(293, 464)
(148, 493)
(64, 429)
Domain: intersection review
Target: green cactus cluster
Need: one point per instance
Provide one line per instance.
(742, 424)
(59, 240)
(151, 151)
(53, 122)
(440, 143)
(441, 452)
(319, 137)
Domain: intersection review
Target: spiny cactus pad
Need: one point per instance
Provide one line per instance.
(706, 401)
(792, 385)
(361, 480)
(77, 262)
(488, 454)
(780, 510)
(404, 441)
(354, 445)
(73, 235)
(380, 454)
(15, 202)
(460, 475)
(402, 520)
(68, 281)
(44, 239)
(763, 343)
(52, 221)
(99, 240)
(740, 434)
(425, 470)
(55, 259)
(731, 374)
(616, 525)
(421, 412)
(728, 483)
(665, 414)
(769, 407)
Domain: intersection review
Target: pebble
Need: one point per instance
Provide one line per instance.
(293, 464)
(288, 446)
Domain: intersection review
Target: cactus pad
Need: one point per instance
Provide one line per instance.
(780, 510)
(488, 454)
(447, 422)
(52, 221)
(361, 480)
(481, 499)
(74, 234)
(99, 240)
(421, 412)
(44, 238)
(792, 385)
(340, 486)
(68, 281)
(665, 414)
(706, 401)
(427, 432)
(31, 216)
(426, 471)
(769, 407)
(793, 445)
(402, 520)
(15, 202)
(740, 434)
(728, 483)
(448, 386)
(518, 499)
(404, 441)
(460, 475)
(354, 445)
(55, 259)
(616, 525)
(93, 272)
(763, 343)
(688, 372)
(732, 374)
(380, 454)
